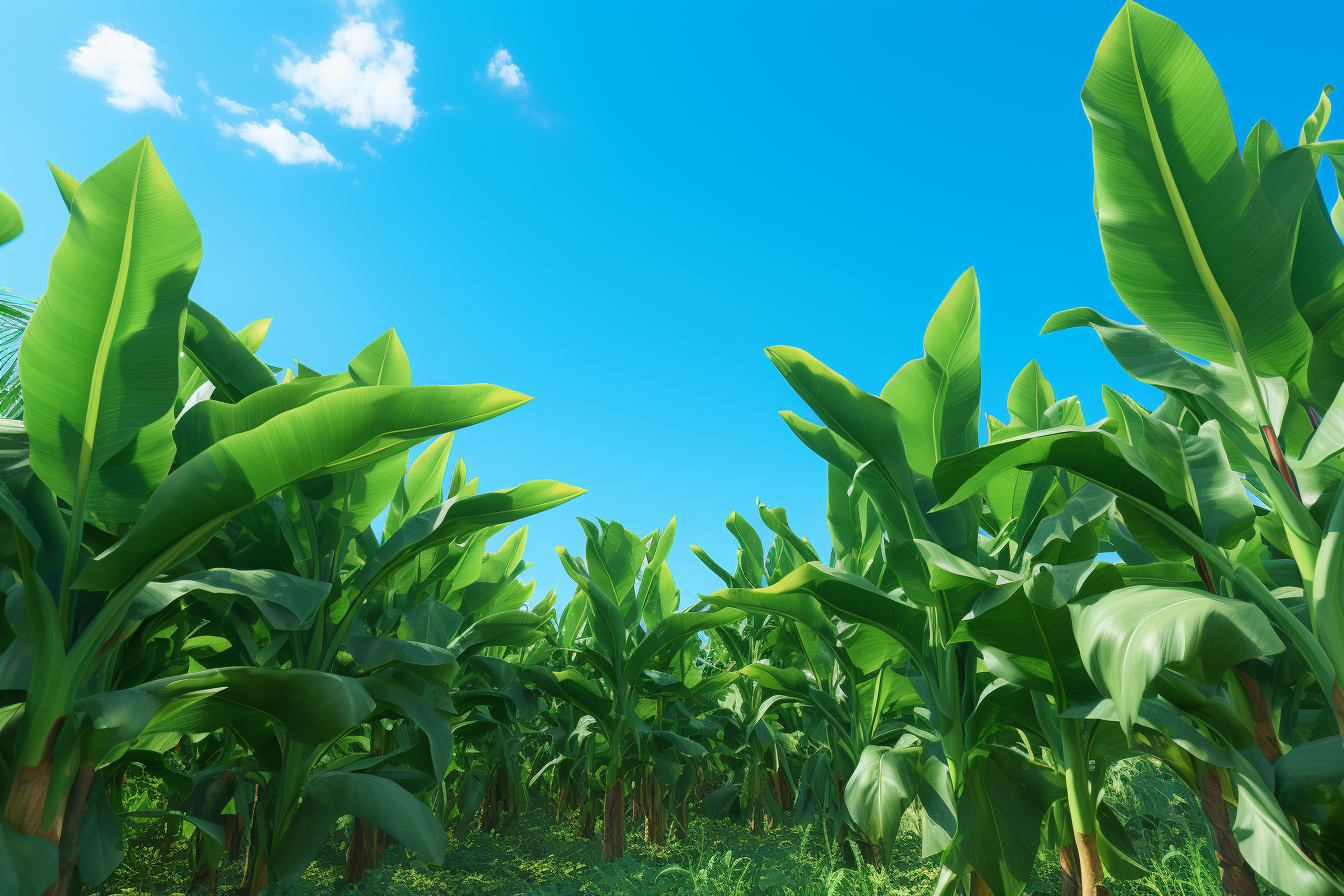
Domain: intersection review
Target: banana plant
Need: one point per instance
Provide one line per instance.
(885, 520)
(1255, 266)
(838, 678)
(628, 626)
(120, 502)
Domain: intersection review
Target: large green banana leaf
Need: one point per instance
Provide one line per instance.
(1193, 246)
(338, 431)
(99, 360)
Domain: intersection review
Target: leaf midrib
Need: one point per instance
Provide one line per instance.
(1192, 244)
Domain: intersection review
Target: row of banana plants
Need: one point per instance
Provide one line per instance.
(1167, 582)
(194, 586)
(997, 625)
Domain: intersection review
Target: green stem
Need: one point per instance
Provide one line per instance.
(1081, 807)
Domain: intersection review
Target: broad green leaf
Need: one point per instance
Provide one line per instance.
(1269, 841)
(751, 555)
(1307, 779)
(1150, 359)
(28, 863)
(423, 486)
(98, 362)
(312, 706)
(866, 421)
(1193, 246)
(67, 186)
(360, 495)
(208, 421)
(458, 517)
(425, 717)
(373, 653)
(883, 786)
(999, 813)
(338, 431)
(100, 841)
(287, 602)
(1028, 398)
(228, 363)
(1262, 144)
(382, 803)
(382, 362)
(1035, 640)
(1093, 454)
(11, 219)
(937, 397)
(672, 630)
(613, 554)
(1128, 636)
(813, 593)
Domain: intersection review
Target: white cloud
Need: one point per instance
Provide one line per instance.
(503, 69)
(291, 111)
(368, 6)
(231, 106)
(371, 151)
(127, 67)
(284, 145)
(363, 77)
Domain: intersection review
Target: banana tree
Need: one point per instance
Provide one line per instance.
(629, 627)
(117, 494)
(1241, 269)
(839, 679)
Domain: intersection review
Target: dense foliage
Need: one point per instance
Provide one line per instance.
(197, 594)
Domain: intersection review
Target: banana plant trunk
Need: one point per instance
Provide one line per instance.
(1089, 863)
(75, 812)
(256, 864)
(362, 854)
(655, 820)
(490, 803)
(756, 784)
(1237, 876)
(204, 880)
(28, 796)
(587, 821)
(233, 836)
(613, 823)
(1069, 882)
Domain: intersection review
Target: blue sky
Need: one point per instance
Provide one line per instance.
(626, 207)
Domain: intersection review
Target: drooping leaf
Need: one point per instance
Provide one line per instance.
(1128, 636)
(883, 786)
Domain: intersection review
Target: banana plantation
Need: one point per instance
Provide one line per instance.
(265, 596)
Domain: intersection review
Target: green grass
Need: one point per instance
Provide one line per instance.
(719, 858)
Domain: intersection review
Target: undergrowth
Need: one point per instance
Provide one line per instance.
(540, 857)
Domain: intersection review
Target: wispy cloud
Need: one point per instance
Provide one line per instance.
(364, 77)
(285, 146)
(503, 69)
(233, 107)
(371, 151)
(128, 68)
(292, 111)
